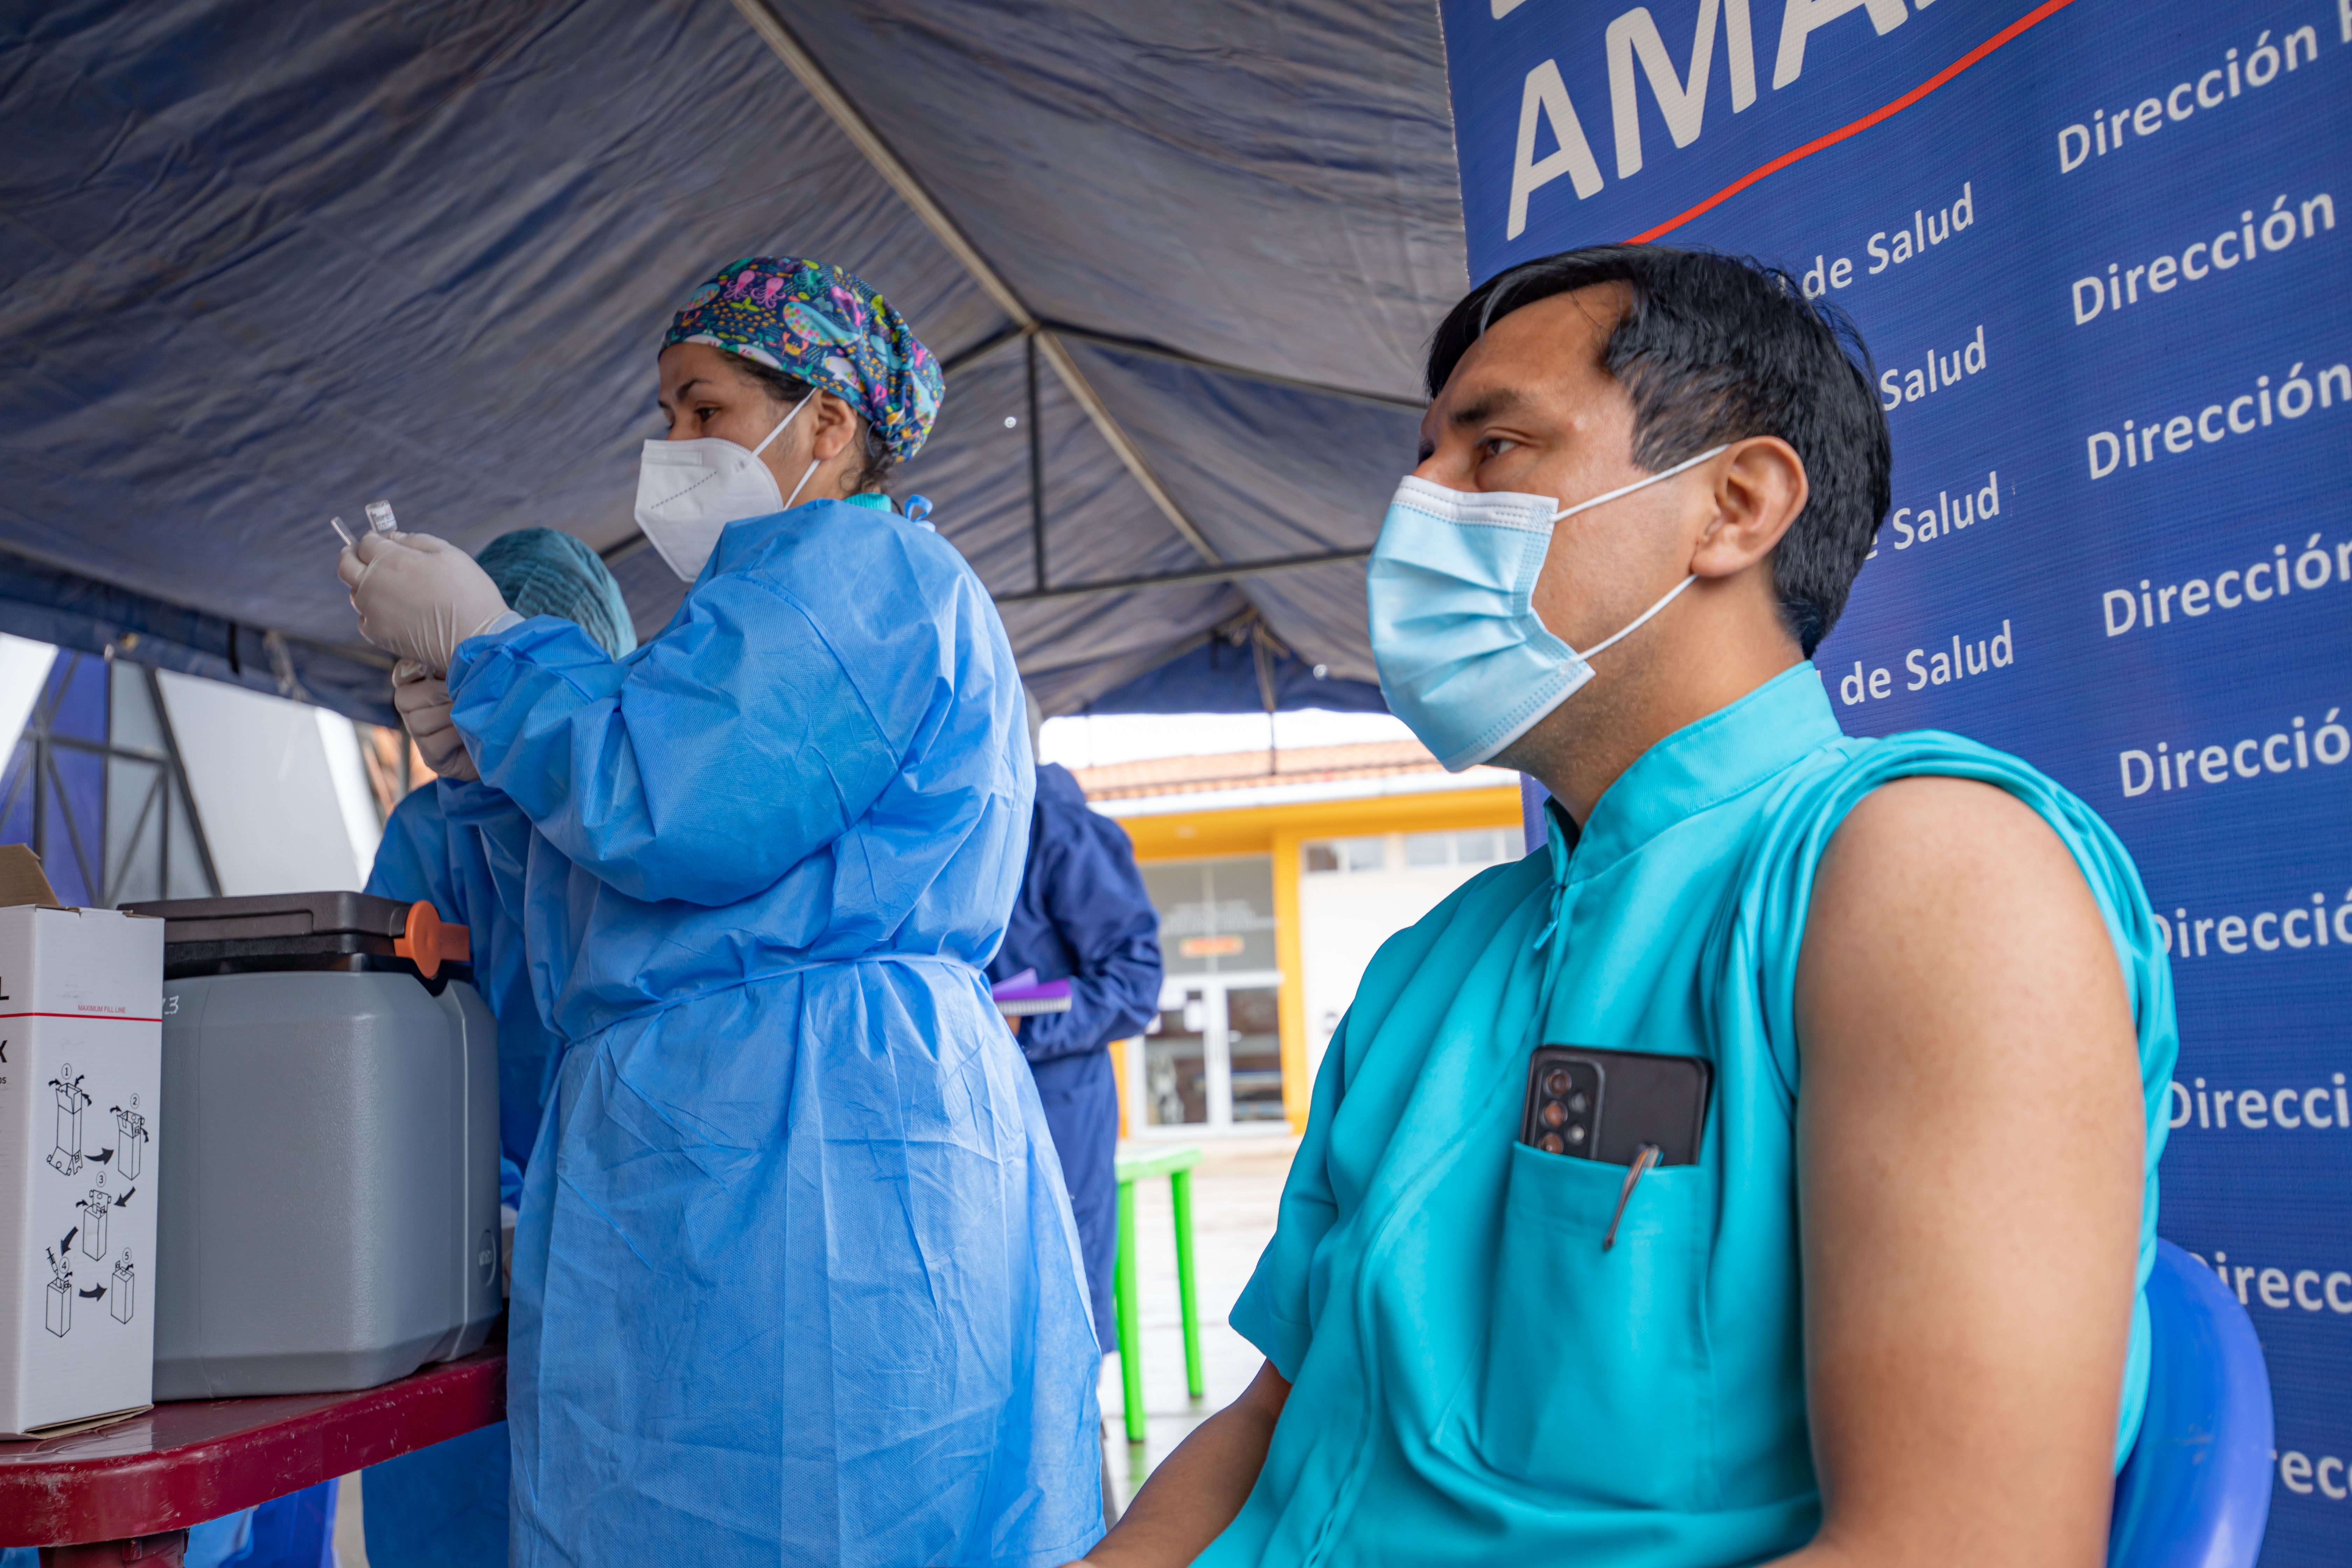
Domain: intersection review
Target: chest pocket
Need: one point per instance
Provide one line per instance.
(1598, 1383)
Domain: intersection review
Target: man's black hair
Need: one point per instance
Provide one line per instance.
(1719, 348)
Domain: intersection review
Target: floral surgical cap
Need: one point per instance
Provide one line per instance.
(824, 326)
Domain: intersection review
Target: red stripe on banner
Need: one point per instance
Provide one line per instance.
(112, 1017)
(2039, 13)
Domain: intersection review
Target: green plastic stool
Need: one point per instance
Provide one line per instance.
(1176, 1164)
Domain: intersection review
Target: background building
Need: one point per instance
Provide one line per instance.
(1277, 875)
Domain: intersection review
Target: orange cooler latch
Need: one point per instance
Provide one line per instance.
(429, 944)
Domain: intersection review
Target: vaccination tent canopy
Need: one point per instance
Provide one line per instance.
(265, 263)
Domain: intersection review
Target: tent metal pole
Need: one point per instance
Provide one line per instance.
(963, 359)
(1222, 574)
(1145, 349)
(1057, 355)
(901, 179)
(1036, 475)
(1142, 348)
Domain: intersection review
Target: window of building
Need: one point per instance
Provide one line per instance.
(1481, 847)
(1345, 854)
(1215, 916)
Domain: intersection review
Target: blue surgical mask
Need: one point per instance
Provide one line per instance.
(1464, 658)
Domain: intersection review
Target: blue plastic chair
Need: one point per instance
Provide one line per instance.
(2196, 1491)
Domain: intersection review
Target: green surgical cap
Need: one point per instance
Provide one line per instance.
(542, 571)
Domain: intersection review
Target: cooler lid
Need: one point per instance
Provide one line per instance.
(257, 928)
(278, 915)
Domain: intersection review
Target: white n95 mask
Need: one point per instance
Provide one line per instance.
(688, 492)
(1464, 658)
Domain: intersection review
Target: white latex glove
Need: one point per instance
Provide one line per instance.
(423, 699)
(418, 597)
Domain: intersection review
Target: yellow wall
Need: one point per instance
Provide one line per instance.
(1280, 831)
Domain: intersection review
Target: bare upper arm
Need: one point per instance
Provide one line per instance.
(1970, 1140)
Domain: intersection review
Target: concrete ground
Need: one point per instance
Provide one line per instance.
(1235, 1191)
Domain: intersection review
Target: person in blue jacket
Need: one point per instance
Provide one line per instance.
(1083, 916)
(795, 1279)
(456, 842)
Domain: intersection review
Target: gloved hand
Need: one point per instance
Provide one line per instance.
(423, 699)
(418, 597)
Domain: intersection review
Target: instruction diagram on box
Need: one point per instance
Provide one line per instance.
(65, 1158)
(61, 1291)
(129, 1137)
(94, 1209)
(94, 1226)
(59, 1312)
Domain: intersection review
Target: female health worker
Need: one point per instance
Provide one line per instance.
(795, 1279)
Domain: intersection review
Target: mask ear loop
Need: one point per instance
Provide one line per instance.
(771, 441)
(1640, 484)
(797, 488)
(1641, 620)
(1673, 594)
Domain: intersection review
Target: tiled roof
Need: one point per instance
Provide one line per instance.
(1247, 770)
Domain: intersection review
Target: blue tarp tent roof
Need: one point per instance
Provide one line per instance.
(265, 262)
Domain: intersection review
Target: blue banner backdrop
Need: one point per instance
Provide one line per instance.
(2095, 248)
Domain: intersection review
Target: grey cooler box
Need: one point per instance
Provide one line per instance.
(328, 1152)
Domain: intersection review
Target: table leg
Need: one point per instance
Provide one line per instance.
(1180, 1198)
(1130, 1320)
(164, 1551)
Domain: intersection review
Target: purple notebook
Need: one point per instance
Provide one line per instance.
(1019, 995)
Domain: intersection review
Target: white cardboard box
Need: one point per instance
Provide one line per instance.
(81, 1069)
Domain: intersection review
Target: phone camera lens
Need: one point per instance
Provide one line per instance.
(1576, 1133)
(1556, 1082)
(1553, 1113)
(1577, 1102)
(1550, 1145)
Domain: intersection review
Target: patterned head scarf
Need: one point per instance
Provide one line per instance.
(825, 326)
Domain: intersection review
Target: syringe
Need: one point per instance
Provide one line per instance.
(341, 531)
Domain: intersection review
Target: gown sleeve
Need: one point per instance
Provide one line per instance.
(1096, 900)
(463, 847)
(412, 861)
(701, 767)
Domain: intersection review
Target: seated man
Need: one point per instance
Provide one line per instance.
(1890, 1312)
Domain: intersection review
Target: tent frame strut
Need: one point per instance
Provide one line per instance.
(901, 179)
(1037, 474)
(1143, 348)
(1219, 573)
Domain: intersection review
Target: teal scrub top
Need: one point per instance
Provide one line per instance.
(1475, 1380)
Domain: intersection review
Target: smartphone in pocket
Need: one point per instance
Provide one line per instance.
(1602, 1105)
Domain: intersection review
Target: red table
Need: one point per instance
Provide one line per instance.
(128, 1492)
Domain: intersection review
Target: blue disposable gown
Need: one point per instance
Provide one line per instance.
(795, 1278)
(448, 843)
(1474, 1379)
(1083, 915)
